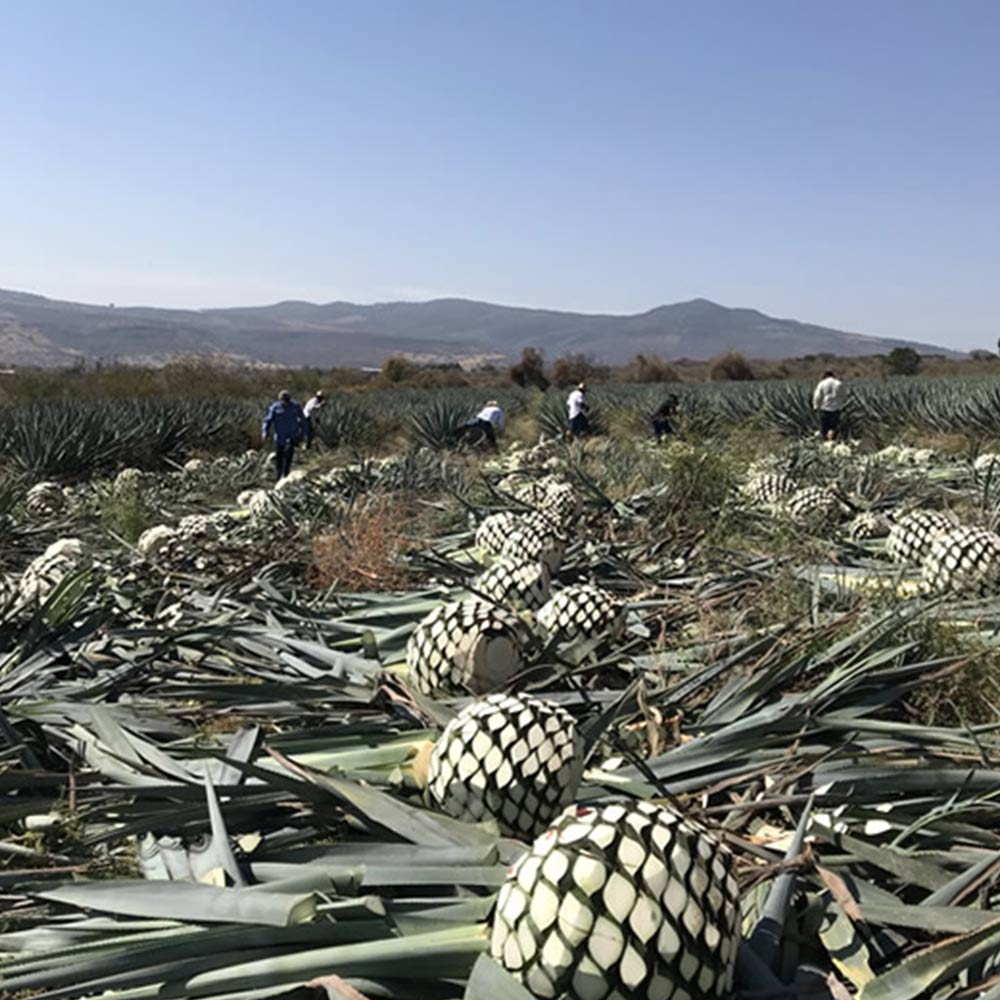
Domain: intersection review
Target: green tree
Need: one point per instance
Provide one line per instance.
(650, 368)
(902, 361)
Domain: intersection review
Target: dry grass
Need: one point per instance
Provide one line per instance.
(966, 694)
(365, 551)
(947, 444)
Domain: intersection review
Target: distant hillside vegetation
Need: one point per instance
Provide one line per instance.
(38, 331)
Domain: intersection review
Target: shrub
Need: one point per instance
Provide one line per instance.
(397, 368)
(730, 367)
(963, 694)
(902, 361)
(435, 378)
(695, 485)
(124, 513)
(650, 368)
(364, 552)
(573, 368)
(530, 370)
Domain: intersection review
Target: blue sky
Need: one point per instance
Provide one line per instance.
(837, 162)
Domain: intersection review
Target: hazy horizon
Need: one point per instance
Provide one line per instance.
(463, 298)
(833, 164)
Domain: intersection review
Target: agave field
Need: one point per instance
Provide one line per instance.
(82, 437)
(615, 721)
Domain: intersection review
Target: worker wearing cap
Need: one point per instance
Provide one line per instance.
(576, 410)
(490, 420)
(286, 421)
(311, 410)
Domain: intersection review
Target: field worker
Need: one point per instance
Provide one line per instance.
(286, 421)
(576, 409)
(314, 404)
(490, 420)
(661, 417)
(828, 400)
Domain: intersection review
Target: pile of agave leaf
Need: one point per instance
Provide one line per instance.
(225, 800)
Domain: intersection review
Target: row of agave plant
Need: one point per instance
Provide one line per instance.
(80, 438)
(538, 775)
(77, 439)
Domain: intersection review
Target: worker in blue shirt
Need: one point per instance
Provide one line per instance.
(287, 422)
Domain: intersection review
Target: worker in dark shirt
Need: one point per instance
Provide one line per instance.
(661, 417)
(286, 421)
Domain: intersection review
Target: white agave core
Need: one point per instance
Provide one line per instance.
(62, 558)
(156, 538)
(45, 497)
(626, 902)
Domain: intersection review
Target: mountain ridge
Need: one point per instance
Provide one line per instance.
(36, 330)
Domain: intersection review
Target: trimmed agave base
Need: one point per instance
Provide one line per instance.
(465, 646)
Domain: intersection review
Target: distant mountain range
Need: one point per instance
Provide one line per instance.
(46, 332)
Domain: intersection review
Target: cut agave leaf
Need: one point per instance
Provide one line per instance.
(436, 955)
(917, 974)
(490, 981)
(186, 901)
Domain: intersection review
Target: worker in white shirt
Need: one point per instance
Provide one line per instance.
(576, 409)
(828, 399)
(490, 420)
(311, 410)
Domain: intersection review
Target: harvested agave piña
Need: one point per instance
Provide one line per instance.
(465, 646)
(963, 560)
(61, 559)
(629, 901)
(582, 610)
(911, 536)
(157, 540)
(533, 492)
(868, 524)
(45, 498)
(813, 507)
(517, 585)
(531, 542)
(512, 758)
(561, 503)
(129, 480)
(494, 530)
(769, 488)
